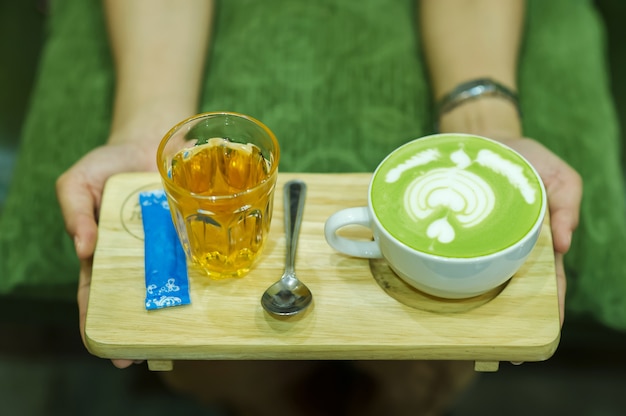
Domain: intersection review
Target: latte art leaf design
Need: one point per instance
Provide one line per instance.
(420, 159)
(513, 172)
(441, 230)
(460, 193)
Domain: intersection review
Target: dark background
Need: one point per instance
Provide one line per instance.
(44, 369)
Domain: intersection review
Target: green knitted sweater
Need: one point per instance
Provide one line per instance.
(341, 83)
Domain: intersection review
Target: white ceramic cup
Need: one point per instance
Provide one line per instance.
(459, 275)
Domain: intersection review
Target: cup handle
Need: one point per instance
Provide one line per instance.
(351, 216)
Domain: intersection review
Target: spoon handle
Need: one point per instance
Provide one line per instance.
(294, 194)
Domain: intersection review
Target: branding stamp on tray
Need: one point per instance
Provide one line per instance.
(130, 212)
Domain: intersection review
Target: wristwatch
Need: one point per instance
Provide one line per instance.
(473, 89)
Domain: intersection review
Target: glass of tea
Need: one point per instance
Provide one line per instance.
(219, 172)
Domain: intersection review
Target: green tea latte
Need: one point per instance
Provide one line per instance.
(456, 196)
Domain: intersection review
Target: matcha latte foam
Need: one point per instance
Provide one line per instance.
(456, 196)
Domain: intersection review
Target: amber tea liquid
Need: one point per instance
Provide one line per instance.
(225, 204)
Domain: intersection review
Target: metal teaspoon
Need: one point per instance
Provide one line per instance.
(289, 296)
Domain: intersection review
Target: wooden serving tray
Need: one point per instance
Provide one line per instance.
(360, 310)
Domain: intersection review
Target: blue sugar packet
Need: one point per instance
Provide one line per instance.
(165, 263)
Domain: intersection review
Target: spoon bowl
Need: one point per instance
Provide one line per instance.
(289, 296)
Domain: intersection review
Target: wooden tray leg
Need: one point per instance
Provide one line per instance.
(160, 365)
(486, 366)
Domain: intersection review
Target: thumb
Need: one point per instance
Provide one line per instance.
(78, 206)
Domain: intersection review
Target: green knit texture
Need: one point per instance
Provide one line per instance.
(341, 84)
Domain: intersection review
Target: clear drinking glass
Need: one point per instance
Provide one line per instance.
(219, 172)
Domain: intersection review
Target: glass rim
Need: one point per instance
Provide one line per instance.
(178, 126)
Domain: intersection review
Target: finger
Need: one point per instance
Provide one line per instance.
(86, 235)
(124, 363)
(78, 208)
(564, 196)
(84, 285)
(82, 295)
(562, 231)
(561, 285)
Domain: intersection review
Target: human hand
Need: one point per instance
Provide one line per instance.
(82, 297)
(563, 184)
(79, 191)
(564, 189)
